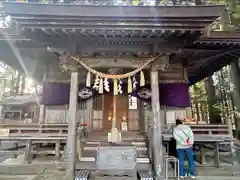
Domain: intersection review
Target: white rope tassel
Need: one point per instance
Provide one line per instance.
(96, 83)
(106, 85)
(120, 91)
(88, 80)
(100, 90)
(134, 83)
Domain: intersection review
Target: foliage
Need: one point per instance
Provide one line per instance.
(233, 7)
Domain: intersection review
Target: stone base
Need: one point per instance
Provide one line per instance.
(114, 136)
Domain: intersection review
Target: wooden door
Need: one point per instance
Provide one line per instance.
(121, 108)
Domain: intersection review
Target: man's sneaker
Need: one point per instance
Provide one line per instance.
(192, 177)
(182, 177)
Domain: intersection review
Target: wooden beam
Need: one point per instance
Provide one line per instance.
(113, 25)
(221, 35)
(71, 142)
(156, 126)
(109, 11)
(8, 31)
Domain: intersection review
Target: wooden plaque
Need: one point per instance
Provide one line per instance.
(4, 132)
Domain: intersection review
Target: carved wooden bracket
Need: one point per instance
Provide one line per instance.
(162, 63)
(66, 63)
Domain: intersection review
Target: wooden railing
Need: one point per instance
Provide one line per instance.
(210, 129)
(21, 130)
(108, 2)
(207, 129)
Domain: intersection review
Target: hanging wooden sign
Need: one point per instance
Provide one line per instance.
(4, 132)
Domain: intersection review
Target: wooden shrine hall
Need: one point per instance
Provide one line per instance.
(122, 72)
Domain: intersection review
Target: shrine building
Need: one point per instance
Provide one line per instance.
(122, 72)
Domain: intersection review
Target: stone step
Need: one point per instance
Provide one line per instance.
(140, 160)
(93, 146)
(140, 154)
(91, 166)
(17, 177)
(126, 136)
(94, 149)
(123, 143)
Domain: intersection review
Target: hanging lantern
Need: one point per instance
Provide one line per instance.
(85, 93)
(144, 93)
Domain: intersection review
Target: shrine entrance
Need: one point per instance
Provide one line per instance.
(121, 110)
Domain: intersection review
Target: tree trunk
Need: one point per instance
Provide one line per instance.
(224, 97)
(211, 98)
(192, 108)
(197, 109)
(235, 76)
(23, 83)
(202, 111)
(17, 84)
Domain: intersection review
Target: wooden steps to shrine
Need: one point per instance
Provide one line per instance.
(99, 139)
(102, 136)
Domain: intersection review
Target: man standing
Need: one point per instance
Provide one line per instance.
(184, 143)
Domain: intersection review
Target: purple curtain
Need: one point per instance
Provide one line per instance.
(172, 94)
(55, 93)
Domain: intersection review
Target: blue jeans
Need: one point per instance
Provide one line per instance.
(190, 158)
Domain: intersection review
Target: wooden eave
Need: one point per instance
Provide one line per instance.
(75, 10)
(210, 53)
(93, 24)
(204, 67)
(219, 39)
(221, 35)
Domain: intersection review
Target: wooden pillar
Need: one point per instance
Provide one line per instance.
(71, 141)
(89, 113)
(28, 152)
(157, 126)
(57, 149)
(41, 114)
(1, 115)
(114, 112)
(235, 75)
(141, 115)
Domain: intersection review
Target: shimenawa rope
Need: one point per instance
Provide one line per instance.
(114, 76)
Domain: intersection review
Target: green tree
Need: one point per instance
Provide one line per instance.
(199, 101)
(231, 19)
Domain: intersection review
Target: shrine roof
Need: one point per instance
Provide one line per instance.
(205, 56)
(63, 20)
(210, 53)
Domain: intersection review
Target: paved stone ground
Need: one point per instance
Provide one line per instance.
(45, 169)
(48, 172)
